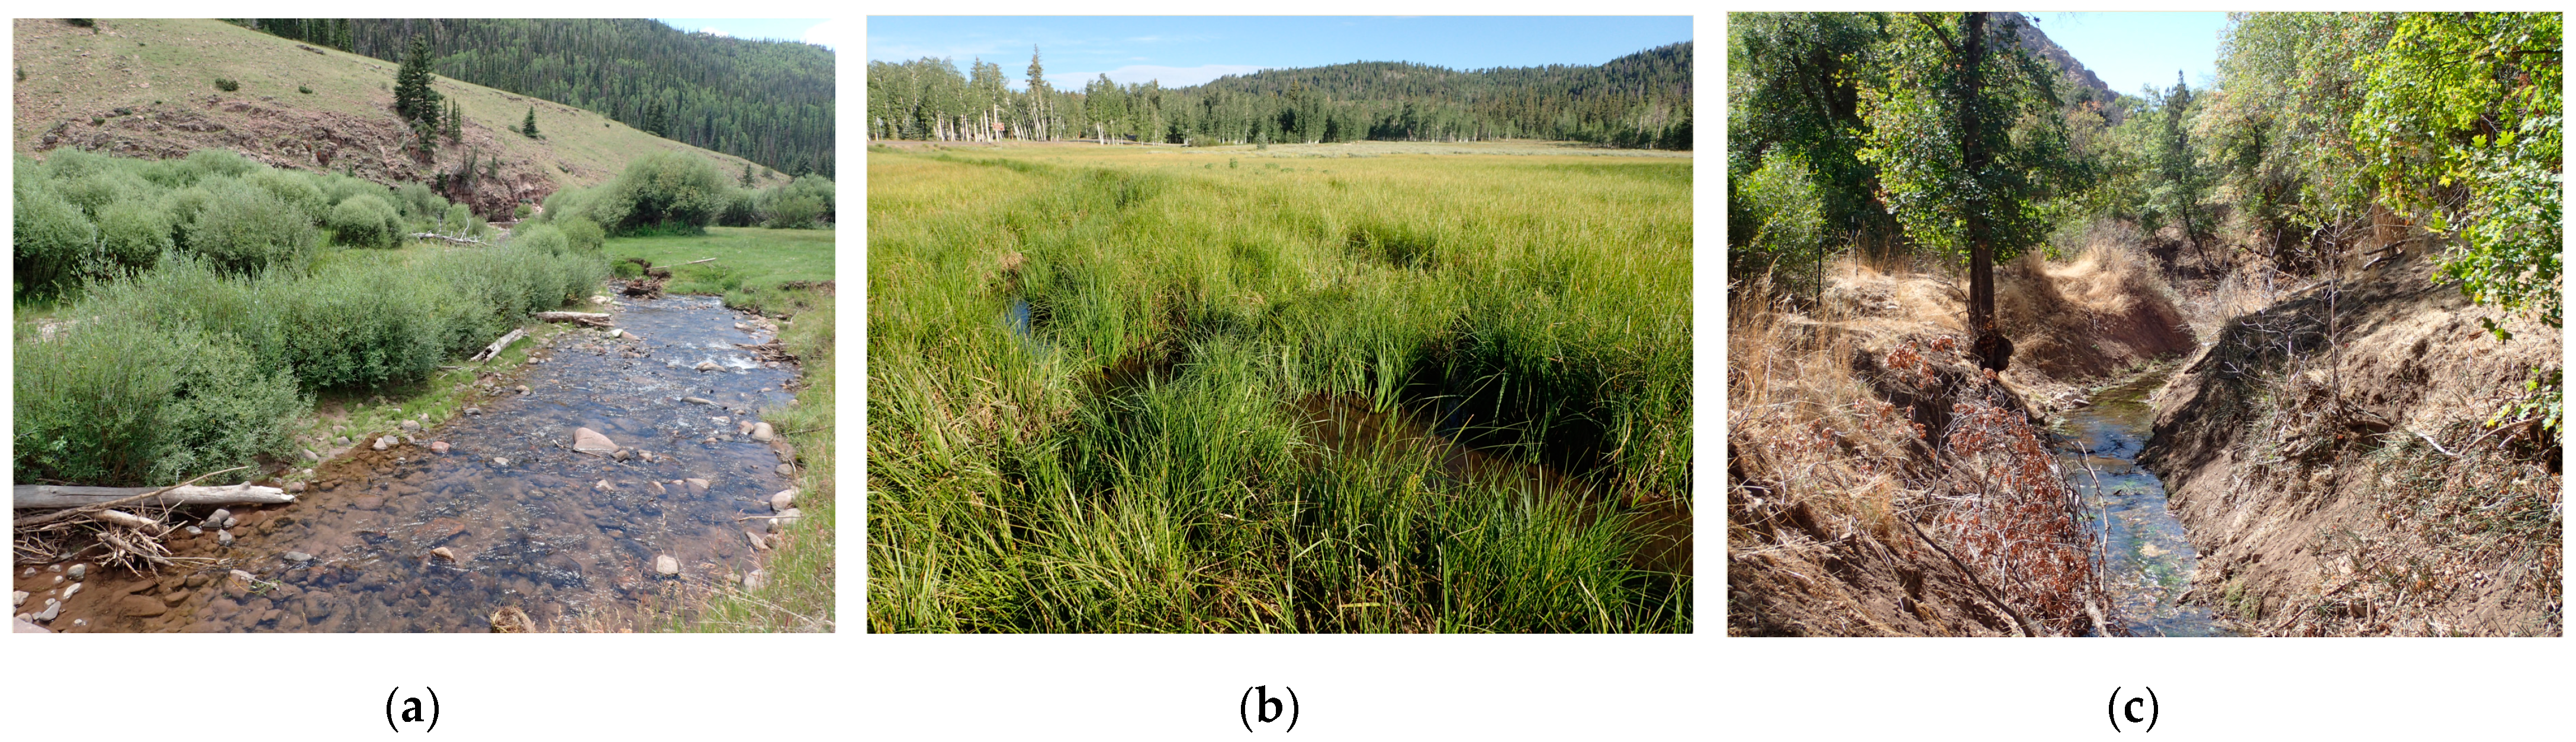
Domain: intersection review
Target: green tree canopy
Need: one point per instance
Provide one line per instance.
(2464, 122)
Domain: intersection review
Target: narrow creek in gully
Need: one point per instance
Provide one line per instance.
(570, 538)
(2150, 560)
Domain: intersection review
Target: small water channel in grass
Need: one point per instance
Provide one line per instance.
(1434, 424)
(2150, 559)
(541, 532)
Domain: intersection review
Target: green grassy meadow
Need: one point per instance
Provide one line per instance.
(1162, 390)
(750, 261)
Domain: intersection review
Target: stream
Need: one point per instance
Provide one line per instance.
(2150, 559)
(570, 538)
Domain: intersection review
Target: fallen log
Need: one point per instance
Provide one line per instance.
(587, 318)
(695, 262)
(494, 350)
(26, 496)
(122, 518)
(457, 240)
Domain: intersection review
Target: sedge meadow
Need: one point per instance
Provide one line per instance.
(1344, 387)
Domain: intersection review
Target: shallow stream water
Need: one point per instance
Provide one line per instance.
(540, 532)
(2150, 559)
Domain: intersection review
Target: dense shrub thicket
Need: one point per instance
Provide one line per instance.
(87, 217)
(675, 193)
(202, 307)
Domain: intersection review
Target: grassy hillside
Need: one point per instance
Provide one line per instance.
(73, 83)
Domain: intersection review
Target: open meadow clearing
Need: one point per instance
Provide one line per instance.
(1344, 388)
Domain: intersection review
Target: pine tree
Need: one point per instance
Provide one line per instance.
(455, 122)
(529, 126)
(746, 175)
(411, 85)
(1037, 97)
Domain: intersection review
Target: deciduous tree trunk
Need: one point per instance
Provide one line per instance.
(1993, 351)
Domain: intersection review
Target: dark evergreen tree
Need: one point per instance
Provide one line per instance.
(1640, 100)
(759, 100)
(529, 126)
(412, 96)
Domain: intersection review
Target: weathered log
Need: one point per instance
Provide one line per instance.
(494, 350)
(695, 262)
(457, 240)
(63, 496)
(122, 518)
(587, 318)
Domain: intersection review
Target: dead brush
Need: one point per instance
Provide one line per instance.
(2005, 507)
(129, 538)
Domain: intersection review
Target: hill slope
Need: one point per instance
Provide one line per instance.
(145, 88)
(770, 101)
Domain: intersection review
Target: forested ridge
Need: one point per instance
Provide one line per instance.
(767, 101)
(1639, 100)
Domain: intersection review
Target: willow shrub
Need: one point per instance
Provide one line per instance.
(246, 230)
(365, 221)
(117, 401)
(667, 193)
(52, 245)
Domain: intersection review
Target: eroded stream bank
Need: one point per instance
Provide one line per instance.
(2149, 558)
(569, 538)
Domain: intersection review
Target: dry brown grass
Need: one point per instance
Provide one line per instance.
(2106, 311)
(1861, 443)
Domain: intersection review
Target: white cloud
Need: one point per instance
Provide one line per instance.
(714, 30)
(828, 34)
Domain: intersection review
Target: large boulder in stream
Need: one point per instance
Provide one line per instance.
(586, 440)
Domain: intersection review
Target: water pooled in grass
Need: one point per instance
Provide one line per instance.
(536, 533)
(1350, 424)
(2150, 557)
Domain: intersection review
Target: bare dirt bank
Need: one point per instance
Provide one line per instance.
(1878, 483)
(2353, 488)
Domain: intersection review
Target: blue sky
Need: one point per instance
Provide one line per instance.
(1182, 51)
(2129, 50)
(826, 33)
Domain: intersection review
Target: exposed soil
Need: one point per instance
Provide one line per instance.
(1848, 514)
(2309, 485)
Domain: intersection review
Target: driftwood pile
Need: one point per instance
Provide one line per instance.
(650, 286)
(594, 319)
(129, 522)
(449, 238)
(769, 351)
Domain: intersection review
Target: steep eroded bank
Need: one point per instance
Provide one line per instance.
(2354, 489)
